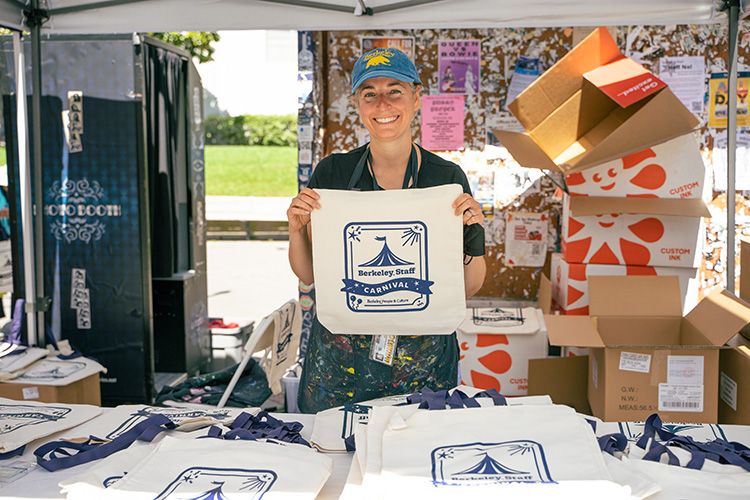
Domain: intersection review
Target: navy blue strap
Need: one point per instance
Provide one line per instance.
(15, 453)
(350, 443)
(410, 175)
(261, 426)
(651, 429)
(657, 450)
(58, 455)
(610, 443)
(438, 400)
(717, 450)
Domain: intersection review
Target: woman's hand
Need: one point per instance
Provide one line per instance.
(470, 208)
(302, 205)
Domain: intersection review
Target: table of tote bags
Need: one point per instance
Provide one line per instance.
(462, 443)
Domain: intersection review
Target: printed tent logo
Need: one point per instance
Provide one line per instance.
(379, 278)
(14, 417)
(509, 461)
(208, 483)
(51, 369)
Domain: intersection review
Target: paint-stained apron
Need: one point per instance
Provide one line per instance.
(338, 369)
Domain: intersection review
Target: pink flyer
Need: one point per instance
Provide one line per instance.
(443, 122)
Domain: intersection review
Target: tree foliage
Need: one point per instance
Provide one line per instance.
(250, 130)
(198, 43)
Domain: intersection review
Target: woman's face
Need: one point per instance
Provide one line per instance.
(386, 107)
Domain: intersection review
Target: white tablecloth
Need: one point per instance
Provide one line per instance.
(40, 483)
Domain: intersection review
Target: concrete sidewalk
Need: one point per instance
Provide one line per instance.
(247, 279)
(246, 217)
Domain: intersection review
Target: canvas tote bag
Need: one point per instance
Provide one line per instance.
(389, 262)
(26, 421)
(217, 468)
(486, 452)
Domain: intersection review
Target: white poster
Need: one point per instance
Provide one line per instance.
(525, 239)
(742, 163)
(686, 78)
(527, 70)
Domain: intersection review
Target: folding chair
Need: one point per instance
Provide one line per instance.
(278, 334)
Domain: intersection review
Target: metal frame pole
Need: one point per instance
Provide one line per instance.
(25, 188)
(731, 142)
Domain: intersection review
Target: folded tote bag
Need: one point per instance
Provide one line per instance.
(389, 262)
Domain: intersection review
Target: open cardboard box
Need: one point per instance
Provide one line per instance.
(594, 105)
(645, 357)
(734, 363)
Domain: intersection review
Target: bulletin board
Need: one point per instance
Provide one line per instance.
(507, 55)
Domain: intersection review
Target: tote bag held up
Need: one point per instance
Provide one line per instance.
(389, 262)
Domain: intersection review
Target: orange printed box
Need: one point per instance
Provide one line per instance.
(673, 169)
(633, 231)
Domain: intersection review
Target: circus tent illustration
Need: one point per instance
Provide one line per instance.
(386, 257)
(489, 466)
(213, 494)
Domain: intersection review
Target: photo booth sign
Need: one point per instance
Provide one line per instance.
(389, 262)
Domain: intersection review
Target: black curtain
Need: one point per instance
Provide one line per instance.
(165, 75)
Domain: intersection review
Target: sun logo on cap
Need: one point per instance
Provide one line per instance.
(378, 59)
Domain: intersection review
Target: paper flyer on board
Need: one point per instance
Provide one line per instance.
(443, 122)
(458, 66)
(717, 100)
(741, 162)
(403, 43)
(527, 70)
(686, 78)
(525, 239)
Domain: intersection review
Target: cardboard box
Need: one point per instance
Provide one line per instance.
(570, 288)
(562, 379)
(734, 383)
(673, 169)
(633, 231)
(594, 105)
(84, 391)
(645, 357)
(734, 364)
(496, 345)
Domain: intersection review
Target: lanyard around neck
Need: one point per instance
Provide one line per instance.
(412, 171)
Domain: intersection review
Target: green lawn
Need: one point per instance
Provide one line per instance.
(247, 170)
(251, 170)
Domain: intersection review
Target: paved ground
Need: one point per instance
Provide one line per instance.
(247, 279)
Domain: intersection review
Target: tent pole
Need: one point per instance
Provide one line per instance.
(36, 135)
(731, 141)
(24, 177)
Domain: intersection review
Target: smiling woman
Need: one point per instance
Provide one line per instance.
(386, 92)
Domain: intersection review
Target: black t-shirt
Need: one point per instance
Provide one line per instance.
(335, 172)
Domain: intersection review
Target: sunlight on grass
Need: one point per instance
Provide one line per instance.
(251, 170)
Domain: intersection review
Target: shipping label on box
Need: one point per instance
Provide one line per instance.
(645, 355)
(673, 169)
(570, 289)
(626, 238)
(496, 345)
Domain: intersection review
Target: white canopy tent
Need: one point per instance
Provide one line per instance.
(127, 16)
(124, 16)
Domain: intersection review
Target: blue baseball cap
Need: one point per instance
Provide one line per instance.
(384, 62)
